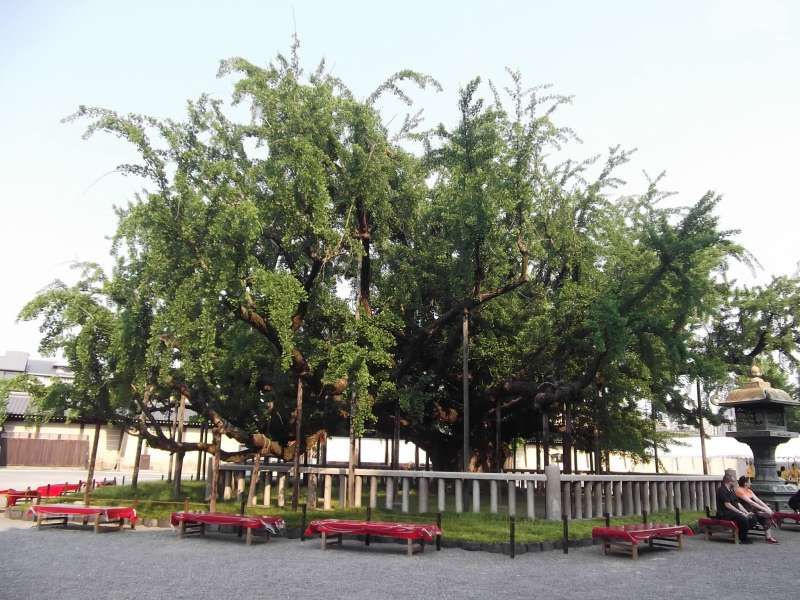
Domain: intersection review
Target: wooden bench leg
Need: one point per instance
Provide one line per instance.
(324, 538)
(202, 528)
(410, 548)
(39, 521)
(248, 537)
(680, 541)
(182, 530)
(97, 523)
(634, 552)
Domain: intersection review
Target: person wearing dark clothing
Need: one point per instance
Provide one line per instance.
(728, 508)
(794, 502)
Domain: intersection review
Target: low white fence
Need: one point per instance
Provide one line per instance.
(549, 495)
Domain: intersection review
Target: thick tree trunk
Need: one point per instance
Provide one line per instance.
(178, 475)
(212, 501)
(179, 428)
(297, 433)
(254, 477)
(136, 462)
(701, 430)
(92, 460)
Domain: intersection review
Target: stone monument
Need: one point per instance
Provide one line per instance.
(761, 424)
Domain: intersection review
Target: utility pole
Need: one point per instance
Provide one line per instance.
(465, 382)
(700, 427)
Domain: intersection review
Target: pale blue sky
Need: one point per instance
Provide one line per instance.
(708, 91)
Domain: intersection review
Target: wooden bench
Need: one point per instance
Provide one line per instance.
(628, 537)
(782, 517)
(411, 532)
(712, 525)
(13, 496)
(188, 523)
(60, 514)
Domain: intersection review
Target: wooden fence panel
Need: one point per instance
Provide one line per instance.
(44, 453)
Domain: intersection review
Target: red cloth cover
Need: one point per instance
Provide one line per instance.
(709, 522)
(640, 532)
(406, 531)
(271, 524)
(780, 517)
(111, 513)
(57, 489)
(14, 495)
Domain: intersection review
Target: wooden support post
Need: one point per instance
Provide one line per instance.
(476, 496)
(304, 508)
(440, 495)
(459, 496)
(97, 523)
(405, 504)
(565, 534)
(267, 488)
(493, 496)
(422, 495)
(357, 492)
(439, 535)
(577, 493)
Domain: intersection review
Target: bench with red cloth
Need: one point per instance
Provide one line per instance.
(100, 514)
(628, 537)
(781, 517)
(411, 532)
(57, 489)
(13, 496)
(711, 525)
(188, 522)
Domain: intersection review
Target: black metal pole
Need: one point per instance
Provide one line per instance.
(439, 535)
(304, 506)
(512, 536)
(677, 516)
(565, 535)
(607, 517)
(644, 517)
(369, 518)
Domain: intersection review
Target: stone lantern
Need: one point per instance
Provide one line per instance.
(761, 424)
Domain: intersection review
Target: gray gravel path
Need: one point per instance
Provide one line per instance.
(152, 563)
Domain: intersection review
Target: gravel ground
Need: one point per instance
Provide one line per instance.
(150, 563)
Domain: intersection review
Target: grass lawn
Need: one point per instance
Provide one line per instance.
(155, 501)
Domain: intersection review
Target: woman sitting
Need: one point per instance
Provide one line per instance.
(750, 501)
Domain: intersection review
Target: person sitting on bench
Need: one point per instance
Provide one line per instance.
(729, 509)
(747, 498)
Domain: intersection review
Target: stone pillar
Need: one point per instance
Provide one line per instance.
(441, 499)
(669, 490)
(357, 492)
(598, 498)
(342, 491)
(588, 499)
(609, 486)
(227, 493)
(327, 492)
(637, 498)
(692, 496)
(654, 507)
(712, 495)
(373, 491)
(281, 489)
(493, 496)
(662, 495)
(389, 493)
(422, 493)
(512, 498)
(530, 489)
(618, 499)
(267, 488)
(552, 492)
(239, 485)
(459, 496)
(627, 499)
(676, 492)
(644, 488)
(404, 504)
(476, 496)
(578, 500)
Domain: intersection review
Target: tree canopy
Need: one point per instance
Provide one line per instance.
(313, 247)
